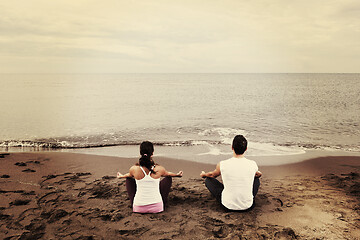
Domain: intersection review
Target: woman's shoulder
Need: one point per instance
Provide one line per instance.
(158, 167)
(134, 167)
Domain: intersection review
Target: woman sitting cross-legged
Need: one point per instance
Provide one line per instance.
(146, 192)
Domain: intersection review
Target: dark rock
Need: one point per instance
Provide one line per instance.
(83, 174)
(108, 177)
(19, 202)
(4, 216)
(5, 176)
(2, 155)
(351, 175)
(20, 164)
(105, 217)
(50, 176)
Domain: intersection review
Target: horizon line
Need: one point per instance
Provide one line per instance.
(179, 73)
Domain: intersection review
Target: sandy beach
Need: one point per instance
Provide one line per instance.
(76, 196)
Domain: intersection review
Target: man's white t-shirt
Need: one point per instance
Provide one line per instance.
(238, 179)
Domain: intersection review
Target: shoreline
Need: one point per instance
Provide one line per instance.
(192, 154)
(52, 195)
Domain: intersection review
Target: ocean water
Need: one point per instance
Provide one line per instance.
(278, 113)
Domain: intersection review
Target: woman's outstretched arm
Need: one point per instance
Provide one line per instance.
(171, 174)
(127, 175)
(165, 173)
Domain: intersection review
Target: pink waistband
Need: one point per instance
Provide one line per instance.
(151, 208)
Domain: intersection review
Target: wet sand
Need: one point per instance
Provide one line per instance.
(76, 196)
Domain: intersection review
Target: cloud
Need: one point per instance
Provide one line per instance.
(186, 36)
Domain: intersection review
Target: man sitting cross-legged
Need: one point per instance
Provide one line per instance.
(240, 177)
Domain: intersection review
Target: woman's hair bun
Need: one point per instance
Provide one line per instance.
(146, 151)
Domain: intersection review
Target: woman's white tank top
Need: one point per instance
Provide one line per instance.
(147, 190)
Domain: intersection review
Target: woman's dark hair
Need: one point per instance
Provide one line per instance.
(146, 151)
(239, 144)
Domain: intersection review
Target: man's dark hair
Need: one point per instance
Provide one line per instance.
(239, 144)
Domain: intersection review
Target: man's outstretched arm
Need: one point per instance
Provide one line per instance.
(212, 174)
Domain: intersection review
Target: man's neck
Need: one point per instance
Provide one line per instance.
(238, 156)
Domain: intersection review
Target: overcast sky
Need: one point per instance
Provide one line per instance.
(114, 36)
